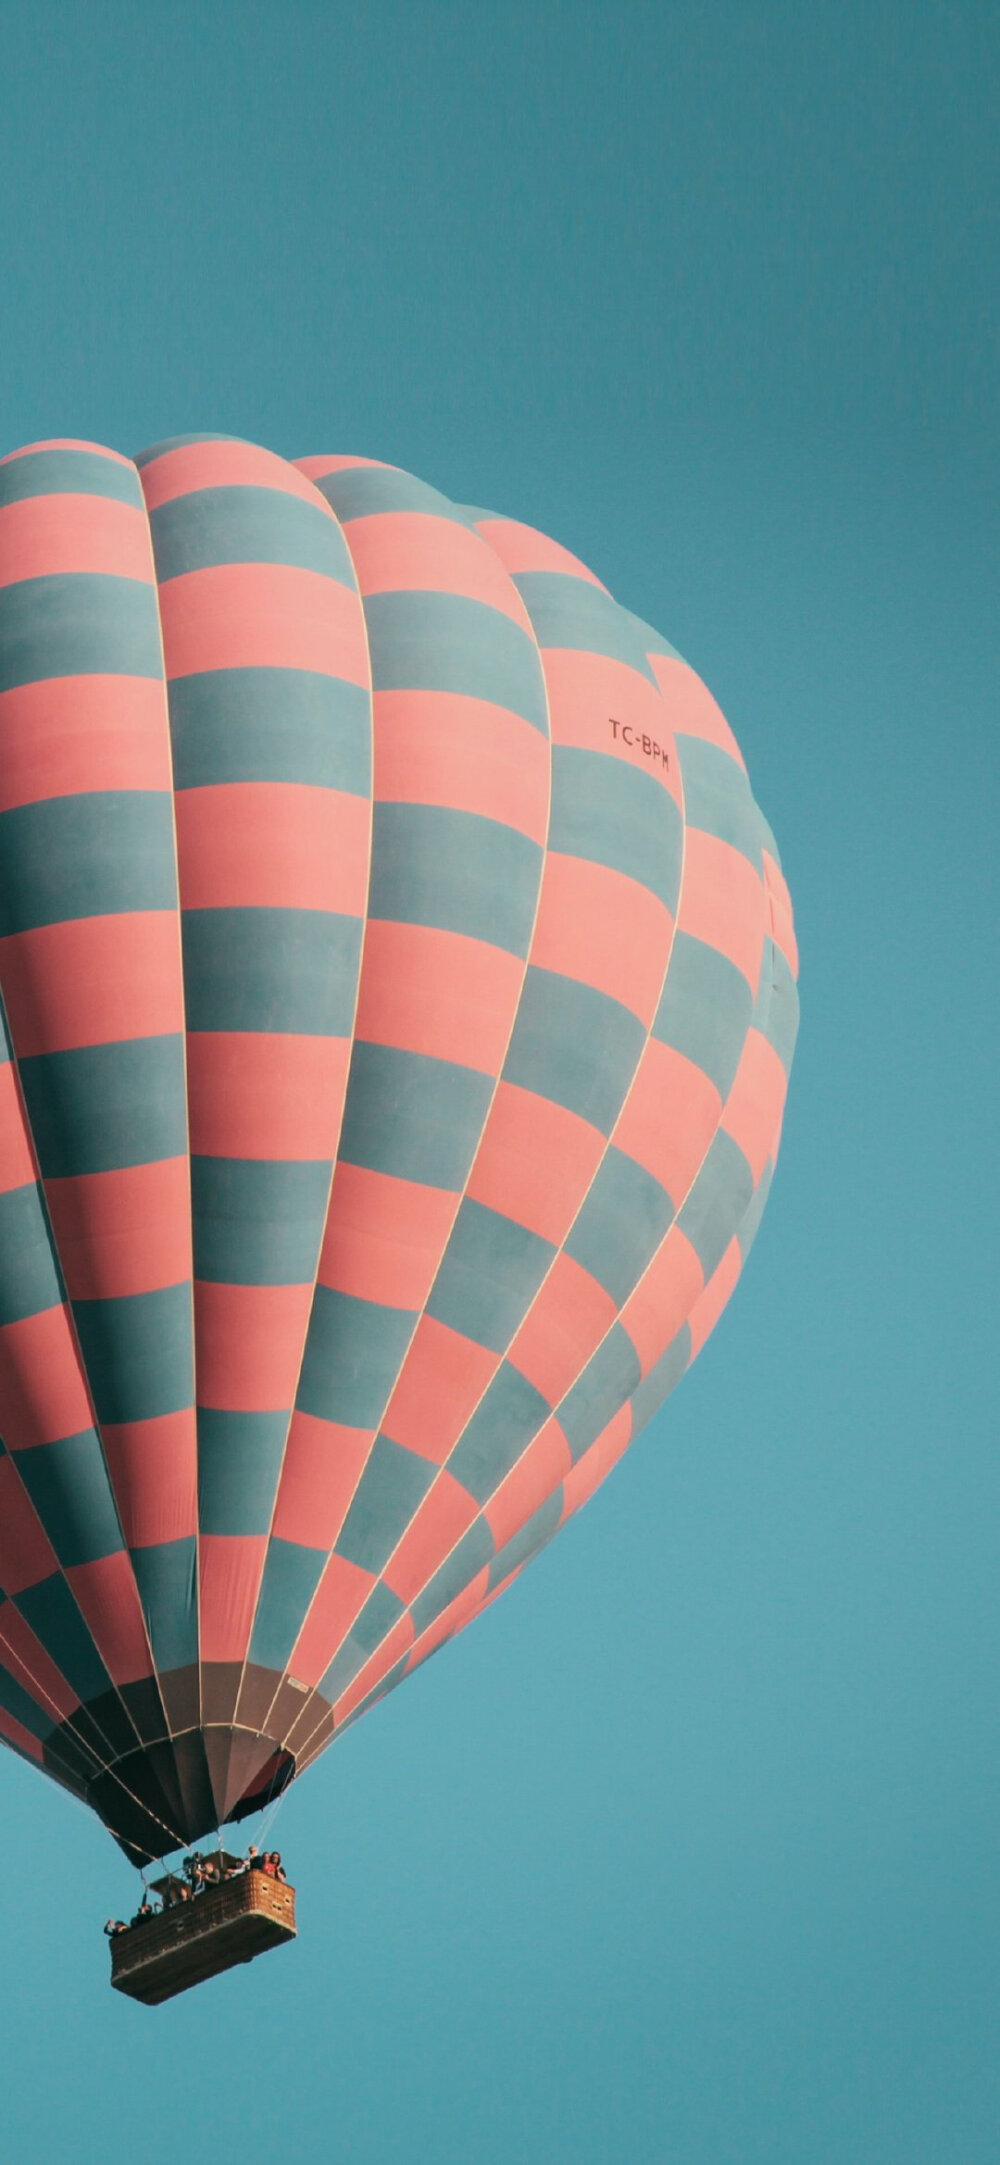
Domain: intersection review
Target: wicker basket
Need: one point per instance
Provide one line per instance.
(230, 1923)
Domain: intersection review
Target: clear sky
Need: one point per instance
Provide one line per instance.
(687, 1853)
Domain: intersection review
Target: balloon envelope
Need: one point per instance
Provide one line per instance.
(398, 999)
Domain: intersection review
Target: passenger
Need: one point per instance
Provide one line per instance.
(255, 1862)
(144, 1912)
(268, 1864)
(114, 1926)
(277, 1867)
(194, 1869)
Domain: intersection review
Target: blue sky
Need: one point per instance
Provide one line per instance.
(687, 1852)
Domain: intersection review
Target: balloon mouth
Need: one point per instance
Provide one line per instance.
(167, 1792)
(166, 1796)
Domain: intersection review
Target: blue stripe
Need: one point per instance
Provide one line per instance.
(68, 473)
(30, 1280)
(138, 1352)
(749, 1225)
(68, 1485)
(102, 1107)
(614, 814)
(271, 725)
(389, 1493)
(717, 798)
(664, 1375)
(704, 1009)
(352, 1358)
(275, 970)
(413, 1116)
(167, 1578)
(536, 1532)
(610, 1377)
(568, 612)
(509, 1414)
(446, 643)
(575, 1046)
(717, 1202)
(239, 1460)
(179, 443)
(107, 853)
(75, 624)
(360, 492)
(247, 525)
(467, 1559)
(291, 1576)
(456, 871)
(258, 1221)
(52, 1613)
(381, 1611)
(621, 1224)
(489, 1275)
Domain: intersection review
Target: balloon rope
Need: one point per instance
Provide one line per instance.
(104, 1766)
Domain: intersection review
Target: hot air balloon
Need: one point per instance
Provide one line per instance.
(398, 989)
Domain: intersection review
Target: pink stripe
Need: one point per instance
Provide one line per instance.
(603, 929)
(257, 1096)
(249, 1340)
(443, 748)
(219, 466)
(65, 443)
(663, 1298)
(69, 735)
(238, 616)
(669, 1118)
(26, 1554)
(106, 1594)
(339, 1598)
(523, 548)
(280, 845)
(322, 1466)
(535, 1162)
(440, 993)
(93, 981)
(399, 1638)
(692, 710)
(330, 463)
(17, 1160)
(605, 706)
(706, 1311)
(756, 1102)
(444, 1516)
(454, 1618)
(43, 1392)
(125, 1231)
(419, 551)
(384, 1237)
(596, 1464)
(565, 1324)
(229, 1572)
(440, 1385)
(543, 1465)
(40, 535)
(153, 1467)
(722, 902)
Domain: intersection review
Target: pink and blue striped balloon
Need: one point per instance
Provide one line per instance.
(398, 988)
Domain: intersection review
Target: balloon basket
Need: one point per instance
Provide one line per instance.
(234, 1922)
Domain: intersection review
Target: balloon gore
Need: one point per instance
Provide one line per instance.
(398, 996)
